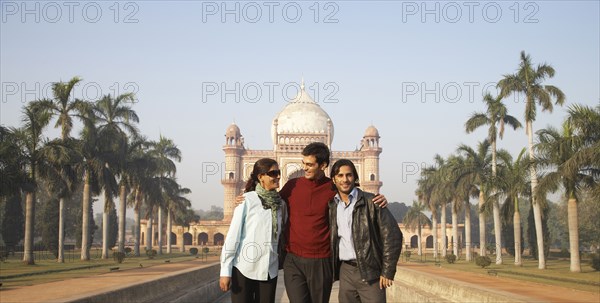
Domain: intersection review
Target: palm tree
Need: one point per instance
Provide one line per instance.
(555, 148)
(585, 122)
(115, 118)
(477, 169)
(65, 108)
(35, 119)
(427, 185)
(461, 190)
(98, 160)
(414, 219)
(528, 81)
(443, 193)
(165, 151)
(12, 163)
(175, 202)
(514, 184)
(496, 114)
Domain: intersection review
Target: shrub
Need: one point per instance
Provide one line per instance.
(451, 258)
(193, 251)
(151, 253)
(407, 254)
(118, 256)
(205, 250)
(127, 250)
(483, 261)
(596, 262)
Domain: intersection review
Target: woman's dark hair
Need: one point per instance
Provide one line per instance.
(261, 166)
(335, 169)
(319, 150)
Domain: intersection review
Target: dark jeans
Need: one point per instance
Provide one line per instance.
(353, 289)
(307, 280)
(248, 290)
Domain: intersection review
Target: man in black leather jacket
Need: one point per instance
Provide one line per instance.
(365, 239)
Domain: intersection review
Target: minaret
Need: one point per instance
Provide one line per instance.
(232, 178)
(371, 150)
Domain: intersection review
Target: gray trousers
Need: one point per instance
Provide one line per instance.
(307, 280)
(353, 289)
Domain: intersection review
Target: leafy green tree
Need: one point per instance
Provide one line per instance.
(30, 138)
(477, 169)
(528, 81)
(64, 107)
(12, 164)
(496, 117)
(512, 185)
(415, 219)
(13, 222)
(114, 119)
(165, 151)
(49, 221)
(555, 148)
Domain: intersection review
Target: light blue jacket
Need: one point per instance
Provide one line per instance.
(249, 245)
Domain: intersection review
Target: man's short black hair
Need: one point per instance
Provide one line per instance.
(319, 150)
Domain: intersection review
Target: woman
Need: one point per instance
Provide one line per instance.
(249, 259)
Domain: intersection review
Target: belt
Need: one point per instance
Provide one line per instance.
(351, 262)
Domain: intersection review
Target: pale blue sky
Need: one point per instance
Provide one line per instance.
(375, 52)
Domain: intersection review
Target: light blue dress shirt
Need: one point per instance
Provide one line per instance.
(249, 245)
(344, 223)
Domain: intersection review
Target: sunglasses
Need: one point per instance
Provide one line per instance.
(273, 173)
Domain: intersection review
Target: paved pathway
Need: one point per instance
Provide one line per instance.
(60, 291)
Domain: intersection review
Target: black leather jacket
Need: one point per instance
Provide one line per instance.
(376, 236)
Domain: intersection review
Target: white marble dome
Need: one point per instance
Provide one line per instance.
(301, 116)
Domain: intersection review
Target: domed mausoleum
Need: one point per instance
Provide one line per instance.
(299, 123)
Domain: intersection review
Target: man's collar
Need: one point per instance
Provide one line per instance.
(353, 195)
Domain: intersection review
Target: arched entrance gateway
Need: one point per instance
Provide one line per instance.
(219, 239)
(202, 239)
(187, 238)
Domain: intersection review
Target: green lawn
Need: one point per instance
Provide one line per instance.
(15, 273)
(556, 273)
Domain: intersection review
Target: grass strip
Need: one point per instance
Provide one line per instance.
(50, 271)
(568, 280)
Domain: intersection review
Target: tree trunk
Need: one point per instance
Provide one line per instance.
(482, 250)
(137, 227)
(454, 229)
(29, 224)
(573, 234)
(122, 213)
(517, 234)
(105, 231)
(537, 209)
(85, 219)
(419, 245)
(434, 232)
(61, 231)
(160, 230)
(497, 231)
(168, 230)
(468, 239)
(149, 235)
(444, 234)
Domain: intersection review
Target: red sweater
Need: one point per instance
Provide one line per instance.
(308, 232)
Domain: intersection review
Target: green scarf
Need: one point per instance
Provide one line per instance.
(270, 199)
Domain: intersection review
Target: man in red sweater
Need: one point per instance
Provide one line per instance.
(308, 272)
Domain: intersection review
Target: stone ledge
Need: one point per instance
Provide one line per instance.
(200, 280)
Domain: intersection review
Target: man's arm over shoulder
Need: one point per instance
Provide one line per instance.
(286, 190)
(391, 237)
